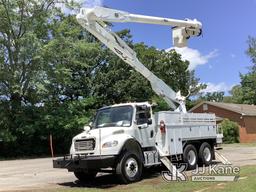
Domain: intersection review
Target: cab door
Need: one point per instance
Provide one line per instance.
(144, 126)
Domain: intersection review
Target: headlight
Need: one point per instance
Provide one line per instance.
(110, 144)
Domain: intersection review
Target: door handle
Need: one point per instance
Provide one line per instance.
(151, 133)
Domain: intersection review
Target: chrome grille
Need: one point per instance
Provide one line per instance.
(84, 144)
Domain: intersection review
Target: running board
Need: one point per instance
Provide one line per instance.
(221, 158)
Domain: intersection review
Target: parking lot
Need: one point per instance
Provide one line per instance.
(26, 175)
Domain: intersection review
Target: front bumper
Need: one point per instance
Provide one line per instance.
(83, 162)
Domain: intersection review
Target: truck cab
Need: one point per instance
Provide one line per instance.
(112, 126)
(116, 130)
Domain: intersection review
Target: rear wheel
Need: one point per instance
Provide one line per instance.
(205, 154)
(190, 156)
(85, 176)
(129, 168)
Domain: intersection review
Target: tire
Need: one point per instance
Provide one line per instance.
(205, 154)
(190, 156)
(129, 168)
(85, 176)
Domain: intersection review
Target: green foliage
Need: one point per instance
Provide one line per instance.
(236, 94)
(251, 51)
(248, 87)
(23, 32)
(245, 92)
(230, 131)
(65, 120)
(214, 96)
(117, 82)
(54, 75)
(45, 71)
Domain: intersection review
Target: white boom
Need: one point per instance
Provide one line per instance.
(92, 19)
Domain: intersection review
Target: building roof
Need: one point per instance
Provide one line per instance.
(243, 109)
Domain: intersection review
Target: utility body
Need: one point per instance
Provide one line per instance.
(125, 138)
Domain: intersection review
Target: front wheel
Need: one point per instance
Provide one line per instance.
(85, 176)
(129, 168)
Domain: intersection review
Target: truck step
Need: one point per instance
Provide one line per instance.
(168, 164)
(221, 158)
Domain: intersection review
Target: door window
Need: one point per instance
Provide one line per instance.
(142, 114)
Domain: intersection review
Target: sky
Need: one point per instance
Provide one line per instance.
(219, 55)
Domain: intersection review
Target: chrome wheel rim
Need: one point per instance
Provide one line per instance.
(191, 157)
(207, 154)
(131, 167)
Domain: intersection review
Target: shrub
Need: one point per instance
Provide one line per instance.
(230, 131)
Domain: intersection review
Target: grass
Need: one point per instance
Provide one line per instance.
(246, 183)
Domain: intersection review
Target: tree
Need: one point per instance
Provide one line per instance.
(46, 64)
(54, 75)
(236, 94)
(23, 33)
(69, 61)
(248, 87)
(251, 51)
(116, 81)
(214, 96)
(248, 81)
(246, 92)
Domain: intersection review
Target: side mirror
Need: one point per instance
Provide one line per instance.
(149, 121)
(87, 128)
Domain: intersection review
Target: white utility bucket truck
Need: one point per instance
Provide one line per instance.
(127, 137)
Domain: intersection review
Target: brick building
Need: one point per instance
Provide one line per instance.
(244, 115)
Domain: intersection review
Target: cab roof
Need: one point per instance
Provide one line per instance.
(130, 103)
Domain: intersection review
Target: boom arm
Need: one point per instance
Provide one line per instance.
(92, 20)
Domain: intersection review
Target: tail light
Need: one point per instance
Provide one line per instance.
(162, 127)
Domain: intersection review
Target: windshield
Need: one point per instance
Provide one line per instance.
(114, 117)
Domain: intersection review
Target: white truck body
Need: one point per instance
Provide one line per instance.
(127, 137)
(183, 127)
(180, 129)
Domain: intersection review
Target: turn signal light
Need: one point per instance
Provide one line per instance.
(162, 127)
